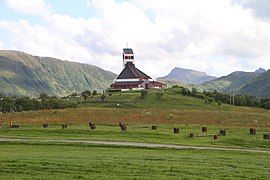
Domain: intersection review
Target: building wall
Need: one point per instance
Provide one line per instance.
(124, 86)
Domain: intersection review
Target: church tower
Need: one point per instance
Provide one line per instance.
(131, 78)
(128, 56)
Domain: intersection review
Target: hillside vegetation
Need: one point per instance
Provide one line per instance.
(234, 81)
(259, 86)
(164, 108)
(243, 83)
(24, 74)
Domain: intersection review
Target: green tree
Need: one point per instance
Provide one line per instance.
(7, 104)
(74, 94)
(159, 95)
(265, 103)
(102, 97)
(43, 96)
(24, 104)
(94, 92)
(144, 94)
(185, 91)
(194, 91)
(86, 94)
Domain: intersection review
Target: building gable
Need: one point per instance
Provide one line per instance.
(130, 72)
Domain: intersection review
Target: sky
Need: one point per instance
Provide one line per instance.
(214, 36)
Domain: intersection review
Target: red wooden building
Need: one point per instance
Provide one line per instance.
(132, 78)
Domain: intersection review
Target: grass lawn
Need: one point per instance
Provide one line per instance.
(69, 161)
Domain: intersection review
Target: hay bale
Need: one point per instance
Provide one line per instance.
(64, 126)
(191, 135)
(175, 130)
(222, 132)
(266, 136)
(204, 129)
(93, 127)
(15, 126)
(123, 127)
(11, 125)
(252, 131)
(90, 124)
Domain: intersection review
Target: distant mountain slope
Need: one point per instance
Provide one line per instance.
(24, 74)
(260, 70)
(259, 86)
(186, 76)
(234, 81)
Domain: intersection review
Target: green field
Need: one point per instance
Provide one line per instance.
(79, 161)
(41, 158)
(236, 137)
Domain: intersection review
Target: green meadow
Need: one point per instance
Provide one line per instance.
(80, 161)
(41, 158)
(235, 137)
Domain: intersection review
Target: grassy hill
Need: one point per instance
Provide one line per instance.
(258, 86)
(24, 74)
(34, 152)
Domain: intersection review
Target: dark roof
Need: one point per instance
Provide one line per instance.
(130, 72)
(127, 83)
(128, 51)
(155, 83)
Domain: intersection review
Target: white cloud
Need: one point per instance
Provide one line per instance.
(31, 7)
(213, 36)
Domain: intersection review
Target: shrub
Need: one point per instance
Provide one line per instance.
(159, 95)
(102, 97)
(144, 94)
(94, 92)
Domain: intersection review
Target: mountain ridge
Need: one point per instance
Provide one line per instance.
(24, 74)
(258, 86)
(187, 76)
(234, 80)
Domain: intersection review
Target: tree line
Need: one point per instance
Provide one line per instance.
(14, 104)
(44, 101)
(215, 96)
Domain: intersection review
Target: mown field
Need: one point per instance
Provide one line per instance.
(236, 137)
(47, 160)
(79, 161)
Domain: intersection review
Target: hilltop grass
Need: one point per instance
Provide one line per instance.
(131, 99)
(68, 161)
(130, 108)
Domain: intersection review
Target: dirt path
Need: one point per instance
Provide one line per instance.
(134, 144)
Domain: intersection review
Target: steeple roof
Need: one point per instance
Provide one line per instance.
(130, 72)
(128, 51)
